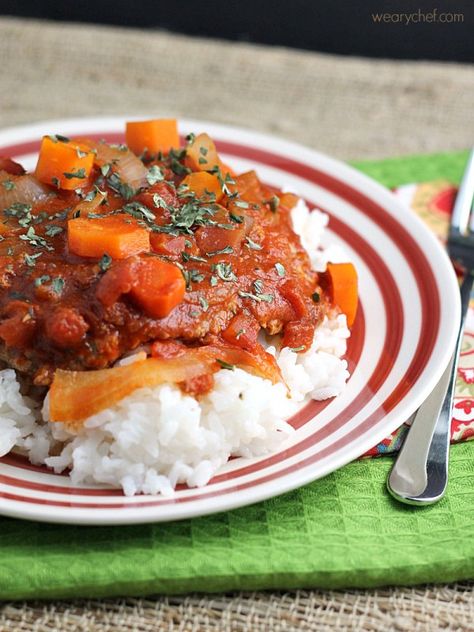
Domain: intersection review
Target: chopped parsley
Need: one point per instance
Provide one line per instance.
(241, 204)
(104, 170)
(80, 173)
(252, 245)
(297, 349)
(191, 276)
(30, 260)
(187, 257)
(58, 138)
(52, 230)
(154, 175)
(18, 210)
(225, 365)
(8, 184)
(139, 211)
(273, 203)
(57, 285)
(224, 271)
(116, 184)
(228, 250)
(195, 276)
(204, 303)
(42, 279)
(238, 219)
(280, 269)
(35, 240)
(91, 195)
(259, 295)
(178, 168)
(105, 262)
(190, 215)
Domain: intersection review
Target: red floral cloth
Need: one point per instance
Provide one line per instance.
(433, 202)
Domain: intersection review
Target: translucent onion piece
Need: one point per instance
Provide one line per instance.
(124, 163)
(76, 395)
(21, 190)
(91, 206)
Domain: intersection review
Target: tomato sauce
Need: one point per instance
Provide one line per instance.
(244, 270)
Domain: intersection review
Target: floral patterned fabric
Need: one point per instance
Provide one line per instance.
(433, 203)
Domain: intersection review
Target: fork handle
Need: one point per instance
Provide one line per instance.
(420, 473)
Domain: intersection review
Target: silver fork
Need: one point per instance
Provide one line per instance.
(420, 473)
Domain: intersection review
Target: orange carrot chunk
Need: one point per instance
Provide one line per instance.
(65, 165)
(202, 184)
(343, 288)
(201, 154)
(152, 136)
(118, 236)
(158, 288)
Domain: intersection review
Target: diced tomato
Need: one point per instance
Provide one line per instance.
(165, 244)
(11, 167)
(18, 327)
(299, 333)
(293, 295)
(66, 327)
(156, 286)
(199, 385)
(242, 331)
(167, 349)
(214, 239)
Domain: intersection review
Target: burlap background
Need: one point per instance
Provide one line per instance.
(349, 107)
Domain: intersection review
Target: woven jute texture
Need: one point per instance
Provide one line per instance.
(403, 609)
(351, 108)
(348, 107)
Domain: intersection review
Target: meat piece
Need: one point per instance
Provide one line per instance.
(66, 327)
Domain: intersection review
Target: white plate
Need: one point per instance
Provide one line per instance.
(400, 344)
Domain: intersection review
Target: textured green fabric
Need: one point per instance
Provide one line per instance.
(342, 531)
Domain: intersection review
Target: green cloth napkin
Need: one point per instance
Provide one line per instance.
(339, 532)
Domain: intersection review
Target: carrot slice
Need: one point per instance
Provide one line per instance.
(152, 136)
(65, 165)
(201, 154)
(343, 288)
(202, 183)
(159, 286)
(116, 235)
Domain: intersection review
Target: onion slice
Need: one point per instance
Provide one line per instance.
(123, 162)
(90, 206)
(76, 395)
(21, 190)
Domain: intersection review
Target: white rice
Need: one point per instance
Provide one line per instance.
(159, 437)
